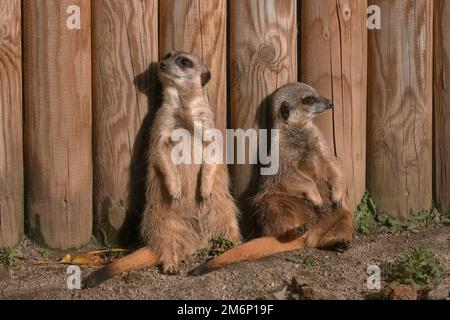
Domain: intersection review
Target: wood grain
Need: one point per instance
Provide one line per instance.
(125, 45)
(400, 94)
(263, 57)
(334, 61)
(58, 124)
(11, 157)
(442, 104)
(200, 26)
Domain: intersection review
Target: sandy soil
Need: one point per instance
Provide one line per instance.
(343, 274)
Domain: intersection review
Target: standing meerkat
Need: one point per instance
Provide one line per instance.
(303, 206)
(187, 204)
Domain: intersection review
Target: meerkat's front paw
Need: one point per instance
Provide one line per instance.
(176, 196)
(320, 208)
(316, 200)
(206, 198)
(337, 198)
(175, 192)
(170, 268)
(303, 229)
(206, 192)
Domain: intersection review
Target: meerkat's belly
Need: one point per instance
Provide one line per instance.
(189, 179)
(190, 174)
(315, 169)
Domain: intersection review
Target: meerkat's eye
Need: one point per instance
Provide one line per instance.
(309, 100)
(185, 63)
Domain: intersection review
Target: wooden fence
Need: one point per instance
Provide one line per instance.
(88, 77)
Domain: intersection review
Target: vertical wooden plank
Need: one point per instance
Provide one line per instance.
(125, 49)
(442, 104)
(199, 26)
(263, 57)
(11, 157)
(58, 131)
(400, 98)
(334, 61)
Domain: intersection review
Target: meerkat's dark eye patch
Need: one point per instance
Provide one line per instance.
(184, 63)
(167, 56)
(205, 77)
(285, 110)
(309, 100)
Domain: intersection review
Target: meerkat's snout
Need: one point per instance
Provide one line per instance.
(322, 104)
(163, 66)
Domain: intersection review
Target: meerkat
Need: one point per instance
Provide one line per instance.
(303, 205)
(187, 204)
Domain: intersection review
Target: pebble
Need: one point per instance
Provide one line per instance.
(440, 293)
(401, 292)
(4, 275)
(306, 292)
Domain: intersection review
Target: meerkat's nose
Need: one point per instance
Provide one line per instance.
(163, 66)
(329, 104)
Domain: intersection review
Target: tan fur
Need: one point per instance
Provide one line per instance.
(187, 204)
(307, 191)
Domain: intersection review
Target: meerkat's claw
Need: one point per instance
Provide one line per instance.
(337, 204)
(336, 198)
(320, 208)
(170, 269)
(303, 229)
(206, 198)
(176, 196)
(176, 199)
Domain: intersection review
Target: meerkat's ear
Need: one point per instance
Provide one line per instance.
(205, 77)
(285, 110)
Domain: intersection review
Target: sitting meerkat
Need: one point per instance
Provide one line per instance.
(303, 206)
(187, 204)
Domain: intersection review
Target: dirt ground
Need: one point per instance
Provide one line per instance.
(342, 274)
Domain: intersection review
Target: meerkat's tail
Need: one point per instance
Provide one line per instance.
(252, 250)
(139, 259)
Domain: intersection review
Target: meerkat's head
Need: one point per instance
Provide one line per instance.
(183, 70)
(297, 103)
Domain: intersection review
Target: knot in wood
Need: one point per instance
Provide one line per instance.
(347, 11)
(267, 54)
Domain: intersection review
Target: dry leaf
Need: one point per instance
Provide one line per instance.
(88, 259)
(83, 259)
